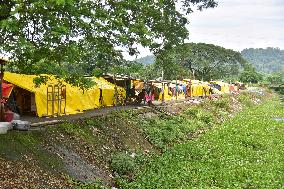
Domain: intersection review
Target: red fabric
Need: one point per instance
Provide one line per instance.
(8, 116)
(6, 90)
(232, 88)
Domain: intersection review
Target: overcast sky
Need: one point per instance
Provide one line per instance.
(238, 24)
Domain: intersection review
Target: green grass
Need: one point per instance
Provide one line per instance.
(162, 132)
(245, 152)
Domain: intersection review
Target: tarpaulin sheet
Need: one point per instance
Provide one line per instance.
(6, 90)
(196, 90)
(77, 100)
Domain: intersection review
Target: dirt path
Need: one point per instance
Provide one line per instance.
(36, 121)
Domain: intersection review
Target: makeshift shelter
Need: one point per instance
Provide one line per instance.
(119, 80)
(221, 86)
(58, 97)
(6, 90)
(139, 85)
(109, 91)
(163, 90)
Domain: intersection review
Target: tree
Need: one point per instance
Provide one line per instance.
(267, 60)
(275, 78)
(200, 61)
(250, 75)
(65, 37)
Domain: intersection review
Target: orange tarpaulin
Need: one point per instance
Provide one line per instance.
(6, 89)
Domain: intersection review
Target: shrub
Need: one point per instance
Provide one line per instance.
(123, 163)
(199, 114)
(223, 103)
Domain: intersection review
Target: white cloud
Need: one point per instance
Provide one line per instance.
(238, 24)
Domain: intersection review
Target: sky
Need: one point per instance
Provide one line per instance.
(237, 24)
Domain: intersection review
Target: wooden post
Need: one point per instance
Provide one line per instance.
(176, 89)
(2, 62)
(163, 95)
(115, 90)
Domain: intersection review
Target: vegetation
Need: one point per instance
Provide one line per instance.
(91, 153)
(149, 59)
(69, 37)
(250, 75)
(245, 152)
(199, 61)
(275, 79)
(269, 60)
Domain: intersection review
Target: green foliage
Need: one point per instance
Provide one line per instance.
(250, 75)
(200, 61)
(267, 60)
(63, 37)
(244, 152)
(275, 78)
(246, 99)
(122, 163)
(199, 114)
(149, 59)
(222, 103)
(81, 131)
(163, 132)
(89, 185)
(150, 72)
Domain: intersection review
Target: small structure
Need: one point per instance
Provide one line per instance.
(57, 98)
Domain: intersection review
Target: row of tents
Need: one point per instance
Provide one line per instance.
(57, 97)
(172, 90)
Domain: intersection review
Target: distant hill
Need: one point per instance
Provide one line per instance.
(150, 59)
(265, 60)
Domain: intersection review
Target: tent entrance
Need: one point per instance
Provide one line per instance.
(56, 100)
(24, 101)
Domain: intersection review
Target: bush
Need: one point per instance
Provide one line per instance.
(199, 114)
(222, 103)
(193, 112)
(123, 164)
(245, 99)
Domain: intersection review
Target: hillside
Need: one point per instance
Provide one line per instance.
(267, 60)
(149, 59)
(113, 149)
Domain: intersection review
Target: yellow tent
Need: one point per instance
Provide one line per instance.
(225, 87)
(77, 100)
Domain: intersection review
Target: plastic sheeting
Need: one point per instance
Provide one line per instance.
(77, 100)
(6, 90)
(225, 87)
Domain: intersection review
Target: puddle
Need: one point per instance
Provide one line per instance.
(279, 119)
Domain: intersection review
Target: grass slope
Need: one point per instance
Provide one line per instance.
(245, 152)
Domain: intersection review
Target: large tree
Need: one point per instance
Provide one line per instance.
(68, 36)
(200, 61)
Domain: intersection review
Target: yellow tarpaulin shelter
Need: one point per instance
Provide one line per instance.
(225, 87)
(77, 100)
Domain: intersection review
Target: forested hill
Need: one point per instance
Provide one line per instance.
(150, 59)
(265, 60)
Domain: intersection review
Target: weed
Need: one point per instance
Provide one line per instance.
(89, 185)
(245, 152)
(81, 131)
(122, 163)
(222, 103)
